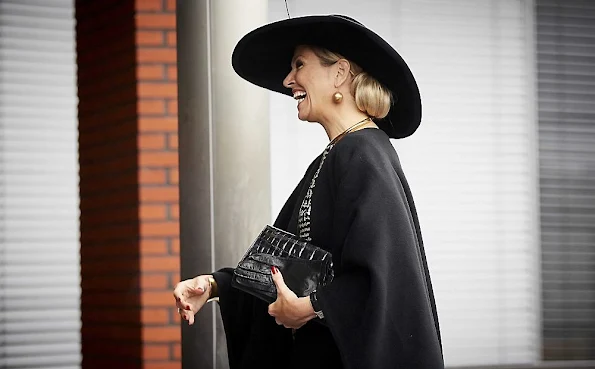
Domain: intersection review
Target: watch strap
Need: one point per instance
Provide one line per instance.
(316, 305)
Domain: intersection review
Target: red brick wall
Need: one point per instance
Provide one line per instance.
(128, 183)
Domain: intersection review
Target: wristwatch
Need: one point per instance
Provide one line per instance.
(214, 292)
(316, 305)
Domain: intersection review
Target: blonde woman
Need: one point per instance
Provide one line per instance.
(353, 201)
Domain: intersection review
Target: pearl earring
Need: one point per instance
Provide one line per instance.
(337, 97)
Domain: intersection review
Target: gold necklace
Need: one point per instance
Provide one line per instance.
(349, 130)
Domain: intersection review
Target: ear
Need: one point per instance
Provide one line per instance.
(342, 68)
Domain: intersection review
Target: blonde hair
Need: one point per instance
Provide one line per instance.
(371, 97)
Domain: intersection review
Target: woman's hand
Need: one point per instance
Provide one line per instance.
(191, 295)
(289, 310)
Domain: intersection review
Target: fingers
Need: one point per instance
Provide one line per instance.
(273, 309)
(187, 315)
(291, 326)
(181, 303)
(278, 280)
(187, 289)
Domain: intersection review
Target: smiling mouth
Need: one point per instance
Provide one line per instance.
(299, 96)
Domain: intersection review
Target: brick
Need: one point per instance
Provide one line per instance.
(160, 228)
(171, 5)
(151, 124)
(175, 317)
(172, 107)
(150, 38)
(150, 72)
(161, 334)
(175, 245)
(111, 199)
(172, 141)
(174, 211)
(156, 352)
(156, 159)
(152, 21)
(102, 152)
(94, 191)
(173, 176)
(151, 107)
(156, 315)
(159, 263)
(172, 73)
(127, 266)
(113, 299)
(154, 298)
(108, 47)
(176, 350)
(117, 351)
(154, 281)
(113, 95)
(148, 5)
(122, 198)
(95, 118)
(103, 283)
(162, 365)
(174, 279)
(109, 216)
(99, 172)
(123, 248)
(154, 141)
(153, 246)
(152, 212)
(110, 332)
(156, 55)
(163, 90)
(103, 155)
(158, 194)
(110, 316)
(171, 38)
(152, 176)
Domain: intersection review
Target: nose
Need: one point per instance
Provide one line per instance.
(289, 79)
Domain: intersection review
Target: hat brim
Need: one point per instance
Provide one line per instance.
(263, 57)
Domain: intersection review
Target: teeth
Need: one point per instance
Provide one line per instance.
(299, 95)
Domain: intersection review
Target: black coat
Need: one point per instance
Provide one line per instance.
(380, 308)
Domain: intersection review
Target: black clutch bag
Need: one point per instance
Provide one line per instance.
(304, 266)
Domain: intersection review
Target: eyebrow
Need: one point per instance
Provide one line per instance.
(293, 60)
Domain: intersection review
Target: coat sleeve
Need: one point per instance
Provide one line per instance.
(380, 306)
(248, 327)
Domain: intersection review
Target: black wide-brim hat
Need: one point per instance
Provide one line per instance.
(263, 57)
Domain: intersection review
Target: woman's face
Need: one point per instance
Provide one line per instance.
(312, 84)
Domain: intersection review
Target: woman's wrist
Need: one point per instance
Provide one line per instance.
(305, 308)
(212, 288)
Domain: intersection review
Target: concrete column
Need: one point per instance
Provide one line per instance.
(224, 156)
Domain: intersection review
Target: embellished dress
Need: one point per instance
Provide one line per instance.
(379, 310)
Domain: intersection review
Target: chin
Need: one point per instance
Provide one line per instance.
(305, 117)
(302, 116)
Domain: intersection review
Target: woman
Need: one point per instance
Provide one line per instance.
(353, 201)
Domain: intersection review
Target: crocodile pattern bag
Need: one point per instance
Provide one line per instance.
(304, 266)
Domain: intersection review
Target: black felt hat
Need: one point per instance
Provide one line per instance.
(263, 57)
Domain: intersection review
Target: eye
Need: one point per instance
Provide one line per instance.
(299, 64)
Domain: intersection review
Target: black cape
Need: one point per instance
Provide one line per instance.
(379, 310)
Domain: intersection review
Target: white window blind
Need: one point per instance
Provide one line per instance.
(566, 86)
(472, 167)
(472, 164)
(39, 238)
